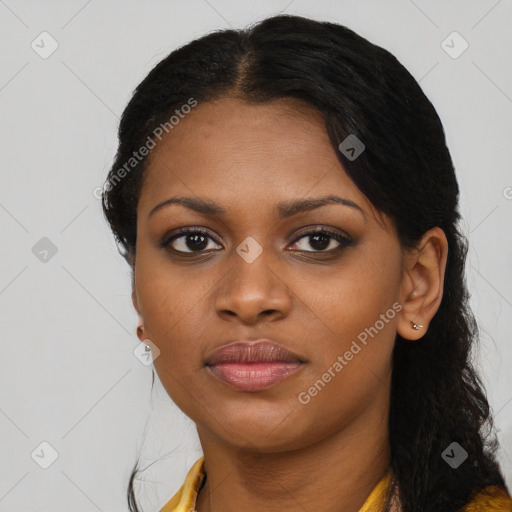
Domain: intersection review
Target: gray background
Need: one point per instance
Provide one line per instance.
(68, 373)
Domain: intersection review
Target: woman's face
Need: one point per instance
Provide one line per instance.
(314, 295)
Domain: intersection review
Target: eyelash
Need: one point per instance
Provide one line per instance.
(344, 240)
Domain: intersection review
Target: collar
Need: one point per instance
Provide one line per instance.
(489, 499)
(185, 499)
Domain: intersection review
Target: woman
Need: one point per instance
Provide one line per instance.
(289, 209)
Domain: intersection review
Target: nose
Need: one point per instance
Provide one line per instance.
(252, 292)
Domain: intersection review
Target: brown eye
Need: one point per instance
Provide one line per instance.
(321, 239)
(189, 240)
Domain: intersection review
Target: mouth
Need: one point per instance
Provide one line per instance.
(253, 365)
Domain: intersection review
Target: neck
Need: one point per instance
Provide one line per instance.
(337, 473)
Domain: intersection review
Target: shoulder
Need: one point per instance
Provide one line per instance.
(489, 499)
(185, 499)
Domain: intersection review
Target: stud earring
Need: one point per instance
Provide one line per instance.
(416, 326)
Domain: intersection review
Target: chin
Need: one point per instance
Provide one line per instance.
(266, 430)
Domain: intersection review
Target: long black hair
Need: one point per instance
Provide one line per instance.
(406, 172)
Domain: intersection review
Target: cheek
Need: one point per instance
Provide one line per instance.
(351, 299)
(351, 361)
(173, 314)
(350, 367)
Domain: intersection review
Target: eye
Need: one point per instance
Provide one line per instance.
(189, 240)
(322, 239)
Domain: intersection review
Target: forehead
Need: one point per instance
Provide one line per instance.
(231, 150)
(230, 125)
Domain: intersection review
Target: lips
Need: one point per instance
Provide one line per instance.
(260, 351)
(252, 365)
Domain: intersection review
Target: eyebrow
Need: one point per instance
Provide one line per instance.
(286, 209)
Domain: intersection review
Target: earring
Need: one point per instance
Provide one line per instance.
(416, 326)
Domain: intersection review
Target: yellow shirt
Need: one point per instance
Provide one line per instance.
(490, 499)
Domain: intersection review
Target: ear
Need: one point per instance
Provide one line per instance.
(135, 300)
(421, 290)
(140, 326)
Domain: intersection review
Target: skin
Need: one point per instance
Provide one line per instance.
(265, 450)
